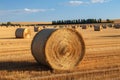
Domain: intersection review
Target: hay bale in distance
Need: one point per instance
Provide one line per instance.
(91, 26)
(110, 25)
(73, 27)
(84, 26)
(97, 28)
(117, 26)
(22, 33)
(60, 49)
(104, 26)
(36, 28)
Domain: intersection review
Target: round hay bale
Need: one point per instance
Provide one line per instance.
(73, 27)
(110, 25)
(36, 28)
(43, 26)
(117, 26)
(60, 49)
(84, 27)
(97, 28)
(91, 25)
(22, 33)
(104, 26)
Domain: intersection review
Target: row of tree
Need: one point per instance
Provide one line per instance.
(77, 21)
(9, 24)
(13, 24)
(81, 21)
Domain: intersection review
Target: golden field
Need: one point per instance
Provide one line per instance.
(101, 60)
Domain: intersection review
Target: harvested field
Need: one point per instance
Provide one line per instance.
(101, 60)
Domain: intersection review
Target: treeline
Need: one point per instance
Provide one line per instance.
(81, 21)
(77, 21)
(13, 24)
(9, 24)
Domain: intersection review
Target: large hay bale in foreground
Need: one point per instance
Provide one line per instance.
(60, 49)
(22, 33)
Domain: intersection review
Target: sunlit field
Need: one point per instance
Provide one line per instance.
(101, 60)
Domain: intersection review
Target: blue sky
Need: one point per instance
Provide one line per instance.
(48, 10)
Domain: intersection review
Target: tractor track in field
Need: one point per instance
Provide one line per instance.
(80, 74)
(13, 50)
(100, 62)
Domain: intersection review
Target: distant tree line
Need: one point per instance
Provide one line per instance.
(14, 24)
(9, 24)
(75, 21)
(81, 21)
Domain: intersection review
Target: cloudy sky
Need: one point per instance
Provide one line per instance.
(48, 10)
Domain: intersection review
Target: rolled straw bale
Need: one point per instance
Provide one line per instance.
(84, 26)
(22, 33)
(73, 27)
(117, 26)
(91, 26)
(36, 28)
(110, 25)
(104, 26)
(60, 49)
(97, 28)
(44, 26)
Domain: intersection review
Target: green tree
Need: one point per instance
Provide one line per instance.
(8, 23)
(108, 20)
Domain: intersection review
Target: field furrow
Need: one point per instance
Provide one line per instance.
(101, 60)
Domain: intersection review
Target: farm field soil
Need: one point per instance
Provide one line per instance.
(101, 60)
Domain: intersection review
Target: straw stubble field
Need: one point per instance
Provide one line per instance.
(101, 60)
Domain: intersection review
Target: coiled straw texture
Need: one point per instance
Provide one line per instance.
(60, 49)
(22, 33)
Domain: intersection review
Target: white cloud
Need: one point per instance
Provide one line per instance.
(99, 1)
(23, 11)
(76, 3)
(34, 10)
(82, 2)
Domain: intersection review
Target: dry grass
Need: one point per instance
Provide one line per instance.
(116, 20)
(101, 61)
